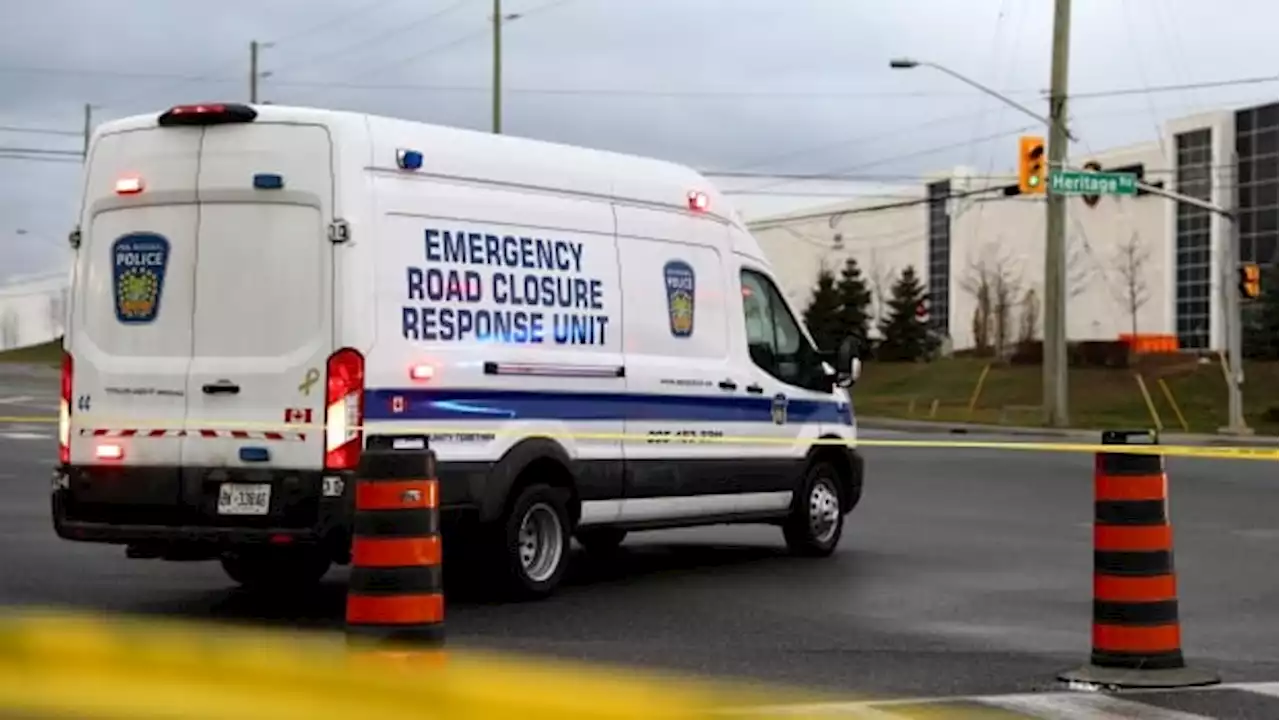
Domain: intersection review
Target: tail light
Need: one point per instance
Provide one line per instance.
(344, 410)
(64, 410)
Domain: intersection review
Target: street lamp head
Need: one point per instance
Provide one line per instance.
(903, 63)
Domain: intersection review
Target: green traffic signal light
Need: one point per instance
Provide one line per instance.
(1033, 180)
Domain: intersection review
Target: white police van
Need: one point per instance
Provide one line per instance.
(592, 341)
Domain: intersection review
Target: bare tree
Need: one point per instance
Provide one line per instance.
(979, 286)
(1029, 317)
(8, 329)
(880, 279)
(993, 282)
(1080, 267)
(1131, 289)
(1004, 293)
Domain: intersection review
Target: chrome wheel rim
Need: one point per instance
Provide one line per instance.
(824, 512)
(540, 542)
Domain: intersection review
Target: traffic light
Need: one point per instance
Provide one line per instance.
(1031, 165)
(1250, 281)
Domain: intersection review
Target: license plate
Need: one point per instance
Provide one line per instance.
(244, 499)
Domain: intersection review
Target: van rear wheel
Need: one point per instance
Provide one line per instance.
(275, 569)
(532, 543)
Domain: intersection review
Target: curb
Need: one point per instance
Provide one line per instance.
(925, 426)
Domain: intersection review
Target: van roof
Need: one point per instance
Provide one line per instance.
(477, 155)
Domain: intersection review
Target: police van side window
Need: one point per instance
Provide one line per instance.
(774, 339)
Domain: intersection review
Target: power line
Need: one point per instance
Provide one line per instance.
(691, 93)
(38, 158)
(832, 215)
(41, 131)
(486, 31)
(359, 10)
(893, 158)
(1172, 88)
(40, 151)
(399, 29)
(206, 77)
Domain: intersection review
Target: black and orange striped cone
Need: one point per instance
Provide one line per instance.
(1137, 639)
(396, 591)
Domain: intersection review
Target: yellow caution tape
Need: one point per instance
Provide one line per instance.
(1271, 454)
(54, 665)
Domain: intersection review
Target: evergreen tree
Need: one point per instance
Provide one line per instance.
(906, 336)
(1260, 320)
(855, 303)
(822, 316)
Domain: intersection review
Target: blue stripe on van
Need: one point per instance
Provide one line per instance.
(458, 404)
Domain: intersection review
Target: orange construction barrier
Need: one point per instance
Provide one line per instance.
(1136, 633)
(396, 590)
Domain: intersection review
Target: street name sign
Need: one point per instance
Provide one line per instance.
(1083, 182)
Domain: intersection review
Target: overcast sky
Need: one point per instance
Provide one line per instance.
(785, 86)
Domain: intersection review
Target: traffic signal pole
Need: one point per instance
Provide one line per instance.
(1236, 424)
(1055, 254)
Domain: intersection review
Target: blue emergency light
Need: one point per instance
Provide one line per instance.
(267, 181)
(408, 159)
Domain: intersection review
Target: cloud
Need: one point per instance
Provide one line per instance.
(717, 84)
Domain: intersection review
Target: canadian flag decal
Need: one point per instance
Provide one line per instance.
(296, 415)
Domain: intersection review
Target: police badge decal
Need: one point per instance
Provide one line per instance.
(680, 294)
(139, 261)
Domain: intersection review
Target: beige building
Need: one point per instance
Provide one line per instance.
(1139, 261)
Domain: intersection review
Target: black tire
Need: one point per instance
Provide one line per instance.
(813, 529)
(523, 575)
(600, 541)
(274, 569)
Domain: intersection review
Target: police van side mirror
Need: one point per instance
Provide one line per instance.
(848, 364)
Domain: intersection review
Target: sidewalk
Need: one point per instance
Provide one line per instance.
(1082, 435)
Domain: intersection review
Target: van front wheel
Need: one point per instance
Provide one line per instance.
(275, 569)
(814, 527)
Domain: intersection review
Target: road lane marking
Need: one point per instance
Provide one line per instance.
(16, 399)
(1054, 705)
(1086, 706)
(25, 436)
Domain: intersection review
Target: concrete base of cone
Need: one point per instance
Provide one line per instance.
(1128, 678)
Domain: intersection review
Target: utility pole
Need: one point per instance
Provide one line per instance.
(1236, 423)
(88, 131)
(1055, 243)
(497, 67)
(253, 72)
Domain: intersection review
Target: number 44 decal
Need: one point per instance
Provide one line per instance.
(82, 403)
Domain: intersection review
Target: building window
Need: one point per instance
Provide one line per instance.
(1193, 247)
(1256, 136)
(939, 256)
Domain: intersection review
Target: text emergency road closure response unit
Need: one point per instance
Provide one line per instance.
(533, 289)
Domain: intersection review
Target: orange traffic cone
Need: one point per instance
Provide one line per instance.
(396, 590)
(1137, 639)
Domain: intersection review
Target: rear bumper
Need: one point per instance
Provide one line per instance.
(167, 506)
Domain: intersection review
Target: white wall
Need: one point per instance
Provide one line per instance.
(32, 311)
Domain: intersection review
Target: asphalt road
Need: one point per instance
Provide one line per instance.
(963, 572)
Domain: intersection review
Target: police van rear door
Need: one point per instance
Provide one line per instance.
(262, 323)
(130, 322)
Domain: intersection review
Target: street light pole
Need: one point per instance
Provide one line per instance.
(908, 63)
(1055, 343)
